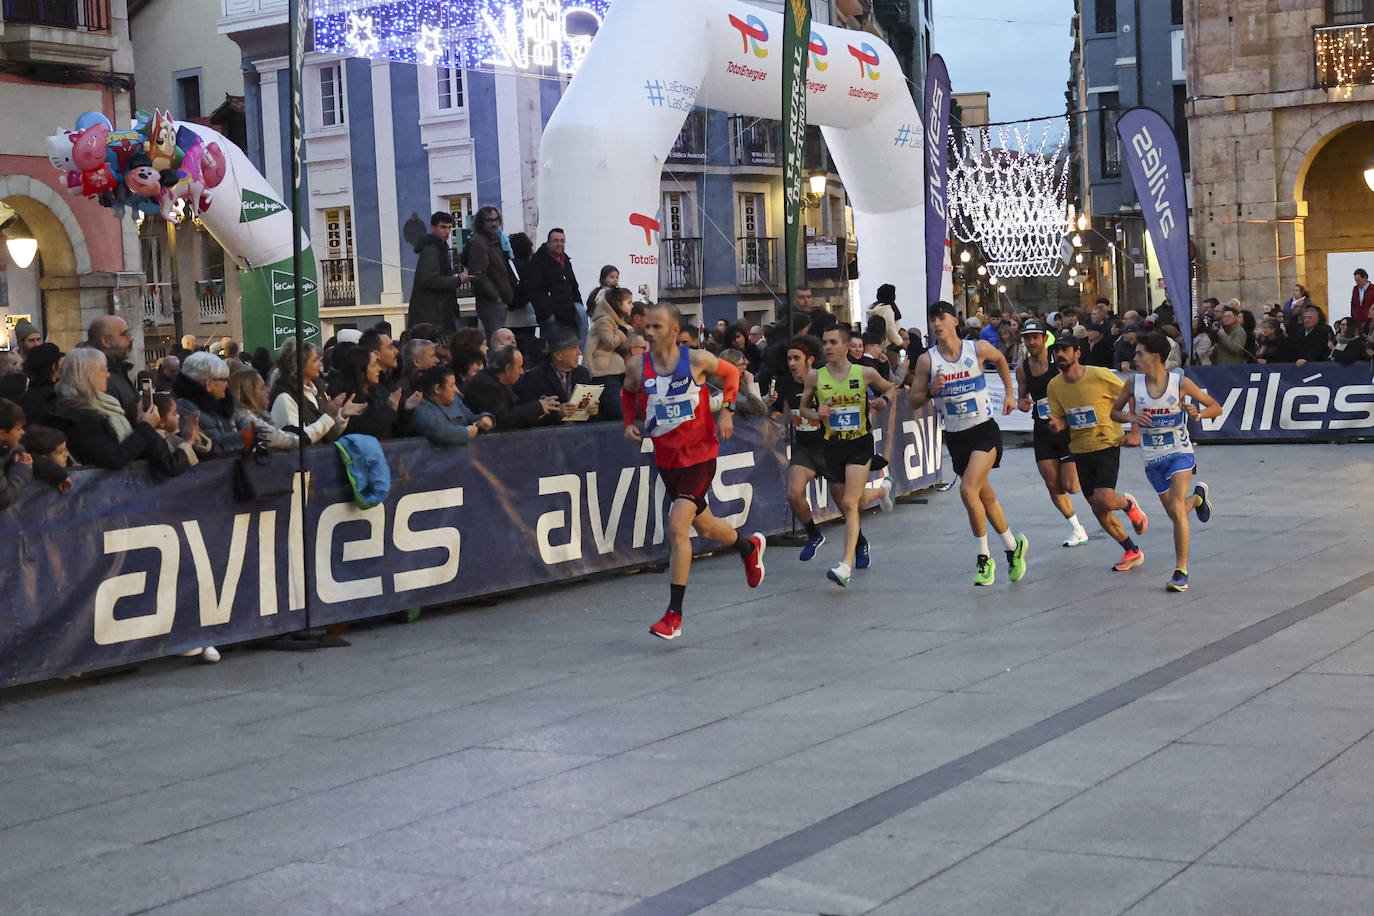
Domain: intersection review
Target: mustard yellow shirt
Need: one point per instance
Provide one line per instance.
(1087, 407)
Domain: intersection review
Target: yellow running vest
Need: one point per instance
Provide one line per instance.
(848, 400)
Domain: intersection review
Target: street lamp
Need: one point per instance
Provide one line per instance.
(1369, 171)
(817, 183)
(965, 257)
(22, 250)
(982, 270)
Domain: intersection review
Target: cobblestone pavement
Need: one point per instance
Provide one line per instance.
(1078, 742)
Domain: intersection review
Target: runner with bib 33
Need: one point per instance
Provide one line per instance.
(951, 374)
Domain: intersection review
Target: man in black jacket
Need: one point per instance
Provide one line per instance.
(493, 391)
(110, 335)
(553, 288)
(557, 377)
(492, 281)
(1312, 342)
(434, 299)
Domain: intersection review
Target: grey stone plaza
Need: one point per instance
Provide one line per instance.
(1078, 742)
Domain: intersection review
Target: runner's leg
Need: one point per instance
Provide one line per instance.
(854, 477)
(681, 515)
(1049, 472)
(797, 479)
(1178, 502)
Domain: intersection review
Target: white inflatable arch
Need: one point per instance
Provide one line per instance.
(602, 154)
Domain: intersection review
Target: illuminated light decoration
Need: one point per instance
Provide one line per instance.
(1344, 57)
(429, 50)
(1008, 194)
(361, 36)
(538, 37)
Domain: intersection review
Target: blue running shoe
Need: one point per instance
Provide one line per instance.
(1204, 506)
(812, 545)
(1179, 583)
(861, 557)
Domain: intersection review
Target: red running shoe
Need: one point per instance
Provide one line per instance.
(1129, 560)
(670, 627)
(1139, 521)
(753, 566)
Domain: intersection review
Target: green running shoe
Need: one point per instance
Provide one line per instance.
(1016, 559)
(987, 569)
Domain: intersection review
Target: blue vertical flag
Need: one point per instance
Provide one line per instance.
(937, 174)
(1151, 152)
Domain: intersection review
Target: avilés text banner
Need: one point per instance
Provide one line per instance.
(937, 176)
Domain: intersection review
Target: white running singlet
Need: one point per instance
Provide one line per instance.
(963, 402)
(1167, 433)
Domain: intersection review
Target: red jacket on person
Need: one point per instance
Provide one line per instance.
(1361, 305)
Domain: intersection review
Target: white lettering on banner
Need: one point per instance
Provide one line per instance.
(743, 490)
(449, 540)
(935, 176)
(1301, 408)
(267, 564)
(215, 608)
(558, 519)
(604, 535)
(921, 456)
(163, 539)
(330, 589)
(1156, 179)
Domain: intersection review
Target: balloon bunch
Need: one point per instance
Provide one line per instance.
(148, 168)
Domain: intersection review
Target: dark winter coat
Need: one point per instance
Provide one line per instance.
(553, 289)
(492, 280)
(1313, 346)
(14, 476)
(379, 420)
(121, 387)
(216, 416)
(542, 381)
(484, 393)
(92, 441)
(434, 298)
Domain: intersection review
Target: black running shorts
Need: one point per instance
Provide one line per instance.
(1049, 445)
(985, 437)
(840, 453)
(1098, 470)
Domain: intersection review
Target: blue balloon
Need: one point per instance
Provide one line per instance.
(91, 118)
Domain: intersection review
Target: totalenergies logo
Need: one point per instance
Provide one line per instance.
(867, 57)
(819, 49)
(754, 33)
(648, 224)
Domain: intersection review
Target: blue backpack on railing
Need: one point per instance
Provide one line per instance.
(365, 466)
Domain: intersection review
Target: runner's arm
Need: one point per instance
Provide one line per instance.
(808, 397)
(631, 397)
(920, 382)
(875, 381)
(1023, 389)
(1057, 421)
(1210, 408)
(1124, 397)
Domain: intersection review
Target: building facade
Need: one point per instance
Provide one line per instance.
(1126, 54)
(1282, 123)
(57, 61)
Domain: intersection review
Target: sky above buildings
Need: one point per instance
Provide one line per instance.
(1017, 51)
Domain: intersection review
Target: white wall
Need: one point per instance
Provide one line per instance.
(173, 35)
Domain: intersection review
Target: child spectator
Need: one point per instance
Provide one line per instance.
(51, 459)
(17, 465)
(186, 444)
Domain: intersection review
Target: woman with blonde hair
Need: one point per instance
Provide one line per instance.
(98, 432)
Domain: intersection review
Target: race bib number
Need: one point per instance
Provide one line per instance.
(804, 425)
(1042, 409)
(961, 407)
(672, 411)
(846, 419)
(1082, 417)
(1158, 438)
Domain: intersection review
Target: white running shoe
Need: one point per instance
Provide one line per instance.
(1078, 537)
(885, 502)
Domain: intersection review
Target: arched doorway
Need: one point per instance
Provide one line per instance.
(1338, 204)
(48, 286)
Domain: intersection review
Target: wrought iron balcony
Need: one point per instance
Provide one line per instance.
(691, 142)
(157, 304)
(81, 15)
(337, 279)
(1343, 55)
(755, 142)
(679, 267)
(756, 261)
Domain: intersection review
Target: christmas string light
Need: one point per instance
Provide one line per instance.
(1008, 194)
(540, 37)
(1344, 57)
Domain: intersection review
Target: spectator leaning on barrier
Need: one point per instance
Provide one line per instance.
(16, 465)
(492, 390)
(606, 348)
(1270, 346)
(320, 419)
(185, 443)
(442, 417)
(203, 386)
(555, 379)
(98, 433)
(110, 335)
(250, 396)
(48, 447)
(380, 417)
(1313, 343)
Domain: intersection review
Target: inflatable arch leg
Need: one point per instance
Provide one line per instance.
(602, 154)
